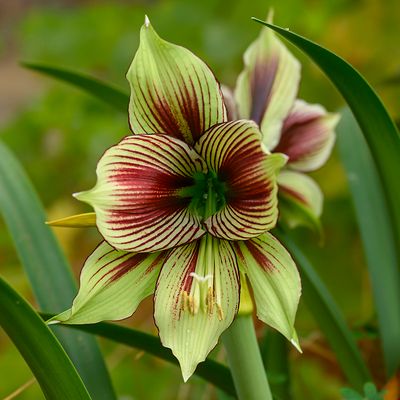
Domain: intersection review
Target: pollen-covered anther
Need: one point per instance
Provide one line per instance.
(210, 300)
(201, 296)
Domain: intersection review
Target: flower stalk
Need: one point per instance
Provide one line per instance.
(245, 360)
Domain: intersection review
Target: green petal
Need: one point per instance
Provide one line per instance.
(233, 150)
(137, 198)
(172, 90)
(275, 281)
(268, 85)
(300, 200)
(189, 320)
(112, 285)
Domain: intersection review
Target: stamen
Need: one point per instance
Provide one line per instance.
(210, 300)
(185, 301)
(220, 312)
(205, 292)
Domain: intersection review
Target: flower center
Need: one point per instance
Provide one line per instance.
(205, 292)
(207, 194)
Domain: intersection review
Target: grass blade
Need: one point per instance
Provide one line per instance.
(377, 126)
(375, 229)
(48, 272)
(210, 370)
(46, 358)
(275, 353)
(103, 91)
(328, 316)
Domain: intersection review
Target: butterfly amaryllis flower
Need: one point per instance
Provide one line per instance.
(184, 206)
(266, 93)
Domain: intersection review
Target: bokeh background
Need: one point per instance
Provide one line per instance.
(59, 133)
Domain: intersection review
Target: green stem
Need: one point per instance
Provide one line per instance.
(245, 360)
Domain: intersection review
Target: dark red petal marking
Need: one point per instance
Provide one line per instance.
(137, 199)
(307, 136)
(172, 91)
(262, 79)
(233, 150)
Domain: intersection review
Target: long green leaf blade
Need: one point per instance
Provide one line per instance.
(48, 272)
(327, 314)
(210, 370)
(46, 358)
(374, 120)
(377, 236)
(275, 353)
(103, 91)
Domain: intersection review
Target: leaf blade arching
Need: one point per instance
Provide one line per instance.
(101, 90)
(210, 370)
(41, 350)
(47, 270)
(328, 316)
(375, 229)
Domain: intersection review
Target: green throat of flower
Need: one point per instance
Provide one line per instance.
(208, 194)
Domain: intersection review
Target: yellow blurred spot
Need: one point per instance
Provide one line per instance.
(75, 221)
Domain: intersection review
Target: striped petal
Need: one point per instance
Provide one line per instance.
(235, 152)
(275, 281)
(197, 298)
(112, 285)
(172, 91)
(308, 136)
(137, 196)
(300, 200)
(268, 85)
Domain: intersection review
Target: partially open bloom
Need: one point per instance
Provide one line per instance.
(184, 206)
(266, 93)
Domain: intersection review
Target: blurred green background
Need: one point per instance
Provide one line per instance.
(59, 133)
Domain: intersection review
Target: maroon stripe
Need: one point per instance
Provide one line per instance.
(262, 79)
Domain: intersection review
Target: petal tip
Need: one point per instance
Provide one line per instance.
(146, 21)
(53, 322)
(187, 371)
(82, 196)
(295, 342)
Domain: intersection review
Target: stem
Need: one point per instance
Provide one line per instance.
(245, 360)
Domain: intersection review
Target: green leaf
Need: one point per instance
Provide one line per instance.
(328, 316)
(47, 270)
(103, 91)
(46, 358)
(275, 351)
(210, 370)
(376, 233)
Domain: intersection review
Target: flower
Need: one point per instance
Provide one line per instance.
(184, 206)
(266, 93)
